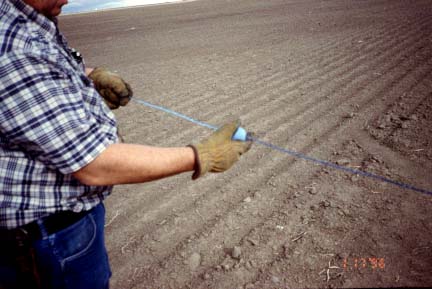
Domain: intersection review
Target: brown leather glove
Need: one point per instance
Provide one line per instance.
(114, 90)
(218, 153)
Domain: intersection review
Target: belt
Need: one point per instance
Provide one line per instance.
(52, 224)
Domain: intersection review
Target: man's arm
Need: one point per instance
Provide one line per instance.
(130, 163)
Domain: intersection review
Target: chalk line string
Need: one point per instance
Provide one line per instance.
(289, 152)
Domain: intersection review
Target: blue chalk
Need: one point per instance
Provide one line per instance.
(240, 134)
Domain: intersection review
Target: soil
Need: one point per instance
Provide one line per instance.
(343, 81)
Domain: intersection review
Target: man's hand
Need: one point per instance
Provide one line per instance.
(219, 152)
(114, 90)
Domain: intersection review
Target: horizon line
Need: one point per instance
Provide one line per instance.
(96, 10)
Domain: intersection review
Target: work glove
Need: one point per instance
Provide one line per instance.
(114, 90)
(219, 152)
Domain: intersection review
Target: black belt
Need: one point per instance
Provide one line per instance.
(52, 224)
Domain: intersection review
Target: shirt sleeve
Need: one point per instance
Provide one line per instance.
(50, 115)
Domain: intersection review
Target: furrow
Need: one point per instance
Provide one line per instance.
(299, 127)
(298, 73)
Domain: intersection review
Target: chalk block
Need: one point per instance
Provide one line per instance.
(240, 134)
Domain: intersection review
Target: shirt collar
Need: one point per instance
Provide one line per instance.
(49, 26)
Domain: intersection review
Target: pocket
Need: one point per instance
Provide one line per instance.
(76, 239)
(84, 260)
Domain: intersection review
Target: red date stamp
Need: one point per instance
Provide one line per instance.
(363, 263)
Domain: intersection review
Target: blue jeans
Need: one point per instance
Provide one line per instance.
(73, 258)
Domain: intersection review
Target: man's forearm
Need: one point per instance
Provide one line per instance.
(129, 163)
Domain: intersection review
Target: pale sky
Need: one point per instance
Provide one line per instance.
(75, 6)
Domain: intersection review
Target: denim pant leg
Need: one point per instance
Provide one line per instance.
(76, 256)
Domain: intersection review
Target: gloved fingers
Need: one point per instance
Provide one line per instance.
(109, 96)
(121, 89)
(242, 146)
(227, 159)
(248, 143)
(227, 130)
(129, 89)
(126, 94)
(118, 85)
(111, 105)
(112, 87)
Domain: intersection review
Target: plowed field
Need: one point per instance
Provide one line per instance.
(349, 82)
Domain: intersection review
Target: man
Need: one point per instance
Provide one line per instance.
(60, 155)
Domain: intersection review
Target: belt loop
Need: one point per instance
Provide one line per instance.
(22, 238)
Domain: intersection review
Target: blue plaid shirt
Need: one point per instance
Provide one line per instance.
(52, 120)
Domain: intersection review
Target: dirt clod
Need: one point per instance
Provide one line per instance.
(194, 261)
(236, 252)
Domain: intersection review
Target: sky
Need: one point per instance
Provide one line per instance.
(76, 6)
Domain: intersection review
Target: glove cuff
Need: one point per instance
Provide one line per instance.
(95, 69)
(197, 166)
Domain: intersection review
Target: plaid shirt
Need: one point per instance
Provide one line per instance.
(52, 120)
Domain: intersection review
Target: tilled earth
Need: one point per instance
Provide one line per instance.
(341, 80)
